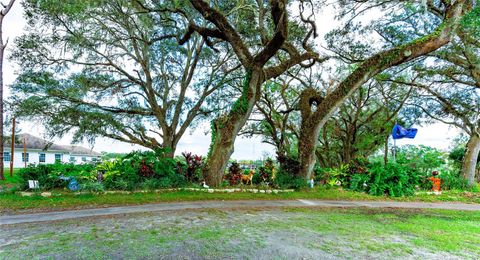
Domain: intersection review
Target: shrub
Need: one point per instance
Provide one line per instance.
(93, 187)
(289, 164)
(360, 182)
(265, 172)
(451, 180)
(194, 164)
(392, 179)
(422, 158)
(331, 176)
(147, 170)
(358, 165)
(118, 175)
(234, 174)
(48, 175)
(285, 180)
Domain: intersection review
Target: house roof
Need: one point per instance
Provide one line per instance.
(37, 143)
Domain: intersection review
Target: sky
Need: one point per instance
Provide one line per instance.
(437, 135)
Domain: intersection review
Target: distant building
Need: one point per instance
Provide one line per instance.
(40, 151)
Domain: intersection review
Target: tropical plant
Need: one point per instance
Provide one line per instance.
(234, 174)
(194, 164)
(265, 172)
(49, 175)
(285, 180)
(392, 179)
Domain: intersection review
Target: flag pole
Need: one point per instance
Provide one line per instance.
(394, 146)
(394, 150)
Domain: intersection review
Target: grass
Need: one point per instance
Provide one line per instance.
(13, 202)
(62, 200)
(10, 180)
(277, 234)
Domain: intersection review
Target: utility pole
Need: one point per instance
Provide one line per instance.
(12, 151)
(3, 12)
(25, 150)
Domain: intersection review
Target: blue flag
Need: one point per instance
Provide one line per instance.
(399, 132)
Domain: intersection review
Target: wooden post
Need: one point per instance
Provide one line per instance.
(12, 151)
(25, 151)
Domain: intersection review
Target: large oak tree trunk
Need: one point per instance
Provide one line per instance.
(309, 132)
(226, 128)
(170, 143)
(306, 144)
(314, 119)
(470, 159)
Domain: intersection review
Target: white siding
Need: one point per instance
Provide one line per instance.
(34, 158)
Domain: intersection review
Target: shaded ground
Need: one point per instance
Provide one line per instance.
(289, 233)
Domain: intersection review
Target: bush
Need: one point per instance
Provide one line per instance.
(193, 164)
(422, 158)
(358, 165)
(285, 180)
(145, 170)
(289, 164)
(48, 175)
(150, 170)
(360, 182)
(118, 175)
(332, 176)
(265, 172)
(234, 174)
(451, 180)
(392, 179)
(93, 187)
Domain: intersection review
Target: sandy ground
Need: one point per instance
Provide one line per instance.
(206, 234)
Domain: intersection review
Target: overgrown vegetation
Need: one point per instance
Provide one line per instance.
(154, 170)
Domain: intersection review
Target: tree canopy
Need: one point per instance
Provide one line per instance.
(143, 72)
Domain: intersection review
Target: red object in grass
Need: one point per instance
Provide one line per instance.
(436, 182)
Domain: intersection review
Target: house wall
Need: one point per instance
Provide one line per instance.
(78, 159)
(34, 158)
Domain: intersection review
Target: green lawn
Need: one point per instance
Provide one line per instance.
(10, 180)
(64, 200)
(291, 233)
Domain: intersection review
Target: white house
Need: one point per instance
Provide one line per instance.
(40, 151)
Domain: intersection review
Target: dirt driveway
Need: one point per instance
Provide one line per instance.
(268, 233)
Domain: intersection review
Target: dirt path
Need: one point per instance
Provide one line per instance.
(62, 215)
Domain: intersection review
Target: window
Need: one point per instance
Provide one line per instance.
(58, 157)
(72, 159)
(6, 157)
(41, 157)
(25, 157)
(84, 159)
